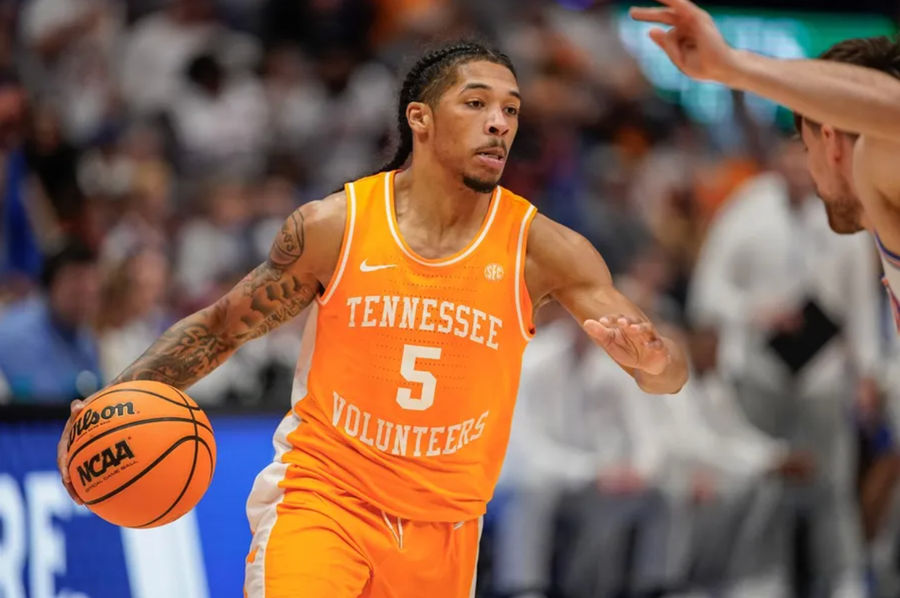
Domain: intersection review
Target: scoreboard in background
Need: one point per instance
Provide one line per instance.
(51, 548)
(782, 34)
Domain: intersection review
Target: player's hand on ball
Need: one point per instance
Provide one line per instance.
(693, 43)
(633, 343)
(62, 449)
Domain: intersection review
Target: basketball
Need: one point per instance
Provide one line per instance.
(141, 454)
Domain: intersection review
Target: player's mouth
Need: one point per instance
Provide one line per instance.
(494, 157)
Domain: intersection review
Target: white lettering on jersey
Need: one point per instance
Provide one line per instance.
(429, 441)
(425, 314)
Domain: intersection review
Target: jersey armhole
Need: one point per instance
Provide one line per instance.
(345, 245)
(524, 306)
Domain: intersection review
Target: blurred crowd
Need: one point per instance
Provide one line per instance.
(151, 148)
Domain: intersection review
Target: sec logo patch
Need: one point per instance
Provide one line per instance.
(493, 272)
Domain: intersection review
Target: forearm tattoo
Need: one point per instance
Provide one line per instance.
(267, 297)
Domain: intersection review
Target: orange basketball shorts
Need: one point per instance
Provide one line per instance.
(316, 541)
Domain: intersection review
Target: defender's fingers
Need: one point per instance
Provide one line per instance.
(665, 16)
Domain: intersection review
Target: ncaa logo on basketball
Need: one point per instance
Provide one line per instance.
(493, 272)
(91, 418)
(109, 457)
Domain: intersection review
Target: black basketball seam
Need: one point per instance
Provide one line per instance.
(197, 440)
(149, 392)
(213, 465)
(212, 461)
(129, 425)
(193, 463)
(143, 472)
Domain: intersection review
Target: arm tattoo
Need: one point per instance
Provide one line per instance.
(267, 297)
(183, 354)
(289, 243)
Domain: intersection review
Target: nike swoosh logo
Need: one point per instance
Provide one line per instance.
(364, 267)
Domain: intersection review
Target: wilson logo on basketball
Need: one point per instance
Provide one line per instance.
(91, 418)
(493, 272)
(109, 457)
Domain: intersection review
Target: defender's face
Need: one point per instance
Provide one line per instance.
(475, 123)
(827, 161)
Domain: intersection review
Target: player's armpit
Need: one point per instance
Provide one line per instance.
(563, 265)
(300, 263)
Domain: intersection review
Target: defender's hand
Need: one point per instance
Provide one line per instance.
(62, 449)
(693, 43)
(631, 342)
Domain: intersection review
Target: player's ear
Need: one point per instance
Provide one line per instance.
(831, 140)
(419, 116)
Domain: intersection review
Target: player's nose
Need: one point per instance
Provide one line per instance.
(497, 123)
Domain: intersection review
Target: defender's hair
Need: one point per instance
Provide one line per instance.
(880, 53)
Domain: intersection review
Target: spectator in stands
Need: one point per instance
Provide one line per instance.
(20, 241)
(47, 350)
(134, 309)
(213, 249)
(221, 121)
(72, 56)
(161, 44)
(770, 273)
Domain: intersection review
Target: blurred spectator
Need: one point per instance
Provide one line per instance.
(53, 161)
(20, 250)
(317, 25)
(777, 283)
(220, 122)
(161, 44)
(134, 310)
(335, 117)
(213, 248)
(47, 350)
(74, 46)
(274, 198)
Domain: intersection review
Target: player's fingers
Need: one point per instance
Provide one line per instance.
(598, 330)
(71, 491)
(668, 43)
(665, 16)
(76, 406)
(680, 5)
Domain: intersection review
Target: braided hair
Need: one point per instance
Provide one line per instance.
(428, 78)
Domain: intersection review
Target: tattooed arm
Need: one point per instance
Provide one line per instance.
(300, 263)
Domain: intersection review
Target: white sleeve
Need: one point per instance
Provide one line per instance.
(746, 449)
(715, 296)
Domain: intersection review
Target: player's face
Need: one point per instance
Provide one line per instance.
(825, 161)
(475, 122)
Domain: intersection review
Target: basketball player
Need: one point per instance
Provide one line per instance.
(425, 281)
(847, 112)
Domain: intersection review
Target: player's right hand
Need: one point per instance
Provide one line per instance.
(62, 449)
(693, 43)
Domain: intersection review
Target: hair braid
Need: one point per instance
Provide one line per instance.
(427, 79)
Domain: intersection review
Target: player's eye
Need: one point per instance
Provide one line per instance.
(512, 110)
(475, 104)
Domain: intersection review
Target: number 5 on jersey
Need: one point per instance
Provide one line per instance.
(409, 372)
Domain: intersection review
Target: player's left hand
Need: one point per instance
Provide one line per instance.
(631, 342)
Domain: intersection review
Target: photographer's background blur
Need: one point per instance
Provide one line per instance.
(149, 150)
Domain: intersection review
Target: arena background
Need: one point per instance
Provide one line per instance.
(171, 138)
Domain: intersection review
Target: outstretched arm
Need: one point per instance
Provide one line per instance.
(273, 293)
(563, 265)
(300, 262)
(848, 97)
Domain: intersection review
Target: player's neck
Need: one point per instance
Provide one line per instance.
(432, 197)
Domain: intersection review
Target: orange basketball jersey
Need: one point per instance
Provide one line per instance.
(408, 398)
